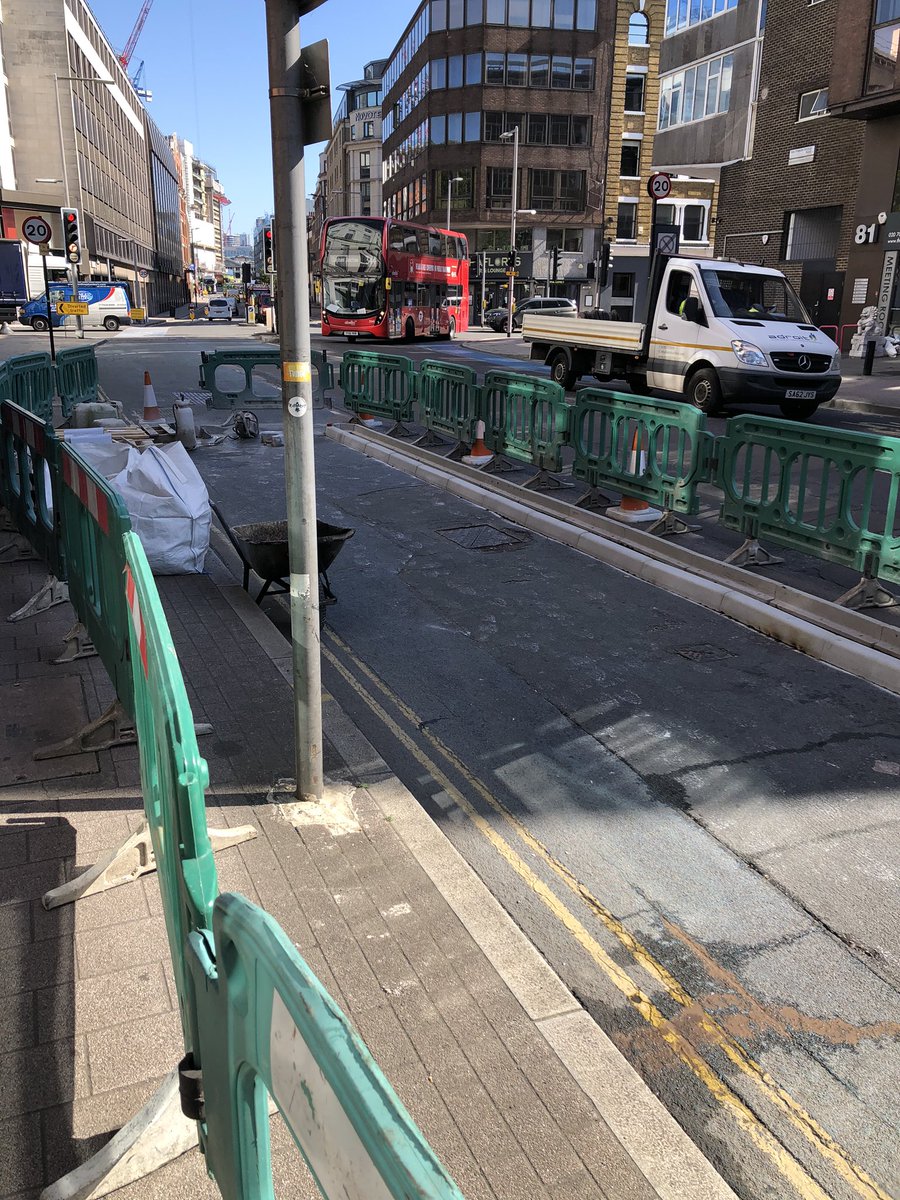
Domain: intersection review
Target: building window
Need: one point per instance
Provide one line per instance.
(365, 165)
(537, 129)
(583, 79)
(439, 73)
(559, 129)
(630, 162)
(556, 191)
(474, 12)
(517, 70)
(570, 240)
(472, 126)
(539, 76)
(693, 223)
(368, 129)
(493, 126)
(473, 68)
(518, 13)
(813, 104)
(634, 93)
(580, 131)
(455, 71)
(695, 93)
(496, 12)
(682, 13)
(882, 74)
(456, 14)
(499, 187)
(462, 195)
(561, 72)
(495, 69)
(812, 233)
(438, 130)
(626, 220)
(638, 29)
(454, 128)
(623, 285)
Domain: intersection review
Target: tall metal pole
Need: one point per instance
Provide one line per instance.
(512, 231)
(483, 284)
(285, 83)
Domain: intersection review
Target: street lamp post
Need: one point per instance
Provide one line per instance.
(505, 137)
(450, 183)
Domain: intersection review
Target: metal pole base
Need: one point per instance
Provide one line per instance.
(78, 645)
(868, 593)
(593, 498)
(18, 549)
(671, 525)
(112, 728)
(752, 554)
(51, 593)
(156, 1135)
(130, 861)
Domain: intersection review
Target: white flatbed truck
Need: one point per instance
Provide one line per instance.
(717, 331)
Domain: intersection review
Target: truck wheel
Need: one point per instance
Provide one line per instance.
(703, 390)
(39, 324)
(111, 324)
(637, 381)
(560, 371)
(798, 410)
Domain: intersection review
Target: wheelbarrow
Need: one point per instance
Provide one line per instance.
(263, 548)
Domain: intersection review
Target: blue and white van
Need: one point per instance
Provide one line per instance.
(109, 306)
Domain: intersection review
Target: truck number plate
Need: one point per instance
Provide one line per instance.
(799, 394)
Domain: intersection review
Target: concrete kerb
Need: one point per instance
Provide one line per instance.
(844, 639)
(654, 1140)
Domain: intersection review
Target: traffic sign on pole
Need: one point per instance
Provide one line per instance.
(36, 230)
(659, 186)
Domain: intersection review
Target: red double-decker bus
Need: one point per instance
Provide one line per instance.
(389, 279)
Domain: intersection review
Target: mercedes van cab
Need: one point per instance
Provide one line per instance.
(109, 307)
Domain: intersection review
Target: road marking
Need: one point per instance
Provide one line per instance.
(831, 1151)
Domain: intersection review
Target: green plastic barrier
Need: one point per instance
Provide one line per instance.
(93, 520)
(380, 385)
(5, 393)
(77, 380)
(256, 1020)
(813, 489)
(29, 457)
(448, 400)
(246, 360)
(526, 418)
(31, 383)
(653, 450)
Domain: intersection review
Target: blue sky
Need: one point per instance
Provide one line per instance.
(205, 62)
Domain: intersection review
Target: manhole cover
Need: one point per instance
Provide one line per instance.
(484, 537)
(704, 652)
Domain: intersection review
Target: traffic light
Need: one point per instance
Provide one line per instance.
(245, 272)
(511, 262)
(554, 263)
(71, 234)
(269, 249)
(605, 261)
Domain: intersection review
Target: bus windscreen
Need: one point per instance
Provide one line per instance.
(353, 269)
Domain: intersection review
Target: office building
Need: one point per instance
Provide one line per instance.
(203, 200)
(165, 288)
(95, 158)
(351, 176)
(465, 75)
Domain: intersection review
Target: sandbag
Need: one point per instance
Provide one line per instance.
(169, 508)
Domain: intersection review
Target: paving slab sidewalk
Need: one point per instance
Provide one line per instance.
(515, 1087)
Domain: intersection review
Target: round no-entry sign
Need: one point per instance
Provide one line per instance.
(36, 230)
(659, 185)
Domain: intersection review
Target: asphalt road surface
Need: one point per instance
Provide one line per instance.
(696, 826)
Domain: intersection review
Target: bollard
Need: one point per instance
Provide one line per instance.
(870, 356)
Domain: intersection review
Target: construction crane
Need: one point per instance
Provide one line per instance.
(139, 83)
(125, 56)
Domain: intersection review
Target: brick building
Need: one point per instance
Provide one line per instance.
(787, 171)
(634, 105)
(464, 73)
(864, 93)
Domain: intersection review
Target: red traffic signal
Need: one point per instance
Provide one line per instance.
(71, 234)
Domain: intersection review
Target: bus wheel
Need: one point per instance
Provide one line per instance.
(451, 331)
(410, 332)
(39, 324)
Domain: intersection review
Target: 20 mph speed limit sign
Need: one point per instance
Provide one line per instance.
(659, 186)
(36, 230)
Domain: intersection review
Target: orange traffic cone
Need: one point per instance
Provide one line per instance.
(479, 455)
(630, 510)
(368, 420)
(151, 408)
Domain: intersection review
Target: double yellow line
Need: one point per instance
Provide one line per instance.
(831, 1153)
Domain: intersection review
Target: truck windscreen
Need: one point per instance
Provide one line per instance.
(748, 295)
(353, 269)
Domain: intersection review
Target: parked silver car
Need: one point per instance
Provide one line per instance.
(556, 306)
